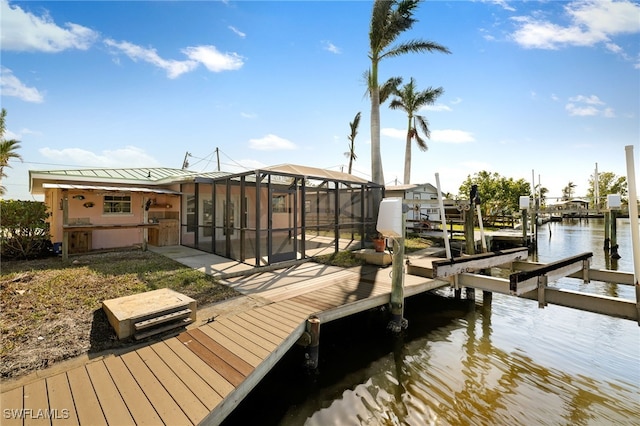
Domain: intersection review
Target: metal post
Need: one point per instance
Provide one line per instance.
(633, 218)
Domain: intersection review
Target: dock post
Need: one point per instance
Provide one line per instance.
(312, 355)
(470, 293)
(525, 227)
(469, 236)
(614, 239)
(607, 229)
(487, 297)
(398, 322)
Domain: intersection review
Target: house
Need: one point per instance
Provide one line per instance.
(259, 217)
(422, 200)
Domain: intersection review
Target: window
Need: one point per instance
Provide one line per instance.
(117, 204)
(278, 203)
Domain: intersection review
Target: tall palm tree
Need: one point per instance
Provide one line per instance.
(351, 154)
(8, 149)
(410, 101)
(389, 19)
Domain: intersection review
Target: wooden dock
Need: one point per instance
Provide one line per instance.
(200, 375)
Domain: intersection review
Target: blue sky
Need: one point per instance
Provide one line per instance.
(547, 89)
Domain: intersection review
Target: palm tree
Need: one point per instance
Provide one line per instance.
(8, 149)
(351, 154)
(567, 191)
(410, 101)
(389, 19)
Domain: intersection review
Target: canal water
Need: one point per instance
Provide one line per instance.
(462, 363)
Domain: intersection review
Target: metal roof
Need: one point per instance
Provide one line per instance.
(314, 172)
(157, 176)
(110, 188)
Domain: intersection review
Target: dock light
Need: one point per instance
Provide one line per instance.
(390, 217)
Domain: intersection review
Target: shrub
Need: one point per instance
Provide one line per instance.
(24, 232)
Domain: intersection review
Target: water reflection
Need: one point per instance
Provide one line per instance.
(429, 381)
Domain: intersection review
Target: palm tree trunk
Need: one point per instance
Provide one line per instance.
(407, 156)
(377, 174)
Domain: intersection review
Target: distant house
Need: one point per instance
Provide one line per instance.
(261, 217)
(422, 200)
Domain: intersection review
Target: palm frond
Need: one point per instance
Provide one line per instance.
(414, 46)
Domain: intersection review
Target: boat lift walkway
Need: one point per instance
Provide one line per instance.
(200, 375)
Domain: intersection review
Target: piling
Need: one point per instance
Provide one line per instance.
(313, 350)
(613, 232)
(398, 322)
(607, 230)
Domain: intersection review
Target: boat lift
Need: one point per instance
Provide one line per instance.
(530, 280)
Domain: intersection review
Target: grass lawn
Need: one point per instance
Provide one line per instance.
(51, 309)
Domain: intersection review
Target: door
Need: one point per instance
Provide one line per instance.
(283, 228)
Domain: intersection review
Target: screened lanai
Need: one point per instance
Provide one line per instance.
(278, 213)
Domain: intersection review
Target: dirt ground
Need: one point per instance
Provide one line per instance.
(50, 311)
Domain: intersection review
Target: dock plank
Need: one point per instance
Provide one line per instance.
(166, 407)
(284, 312)
(113, 407)
(261, 341)
(218, 383)
(35, 398)
(303, 310)
(273, 321)
(232, 343)
(214, 361)
(12, 400)
(86, 402)
(200, 388)
(314, 302)
(282, 322)
(260, 324)
(61, 401)
(225, 354)
(139, 405)
(241, 339)
(181, 394)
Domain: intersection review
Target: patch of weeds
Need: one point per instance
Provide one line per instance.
(344, 259)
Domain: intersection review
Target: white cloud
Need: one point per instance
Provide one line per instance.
(248, 115)
(209, 56)
(394, 133)
(437, 108)
(331, 47)
(452, 136)
(10, 85)
(214, 60)
(591, 100)
(502, 3)
(588, 106)
(135, 53)
(590, 22)
(456, 101)
(24, 31)
(271, 143)
(129, 156)
(237, 31)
